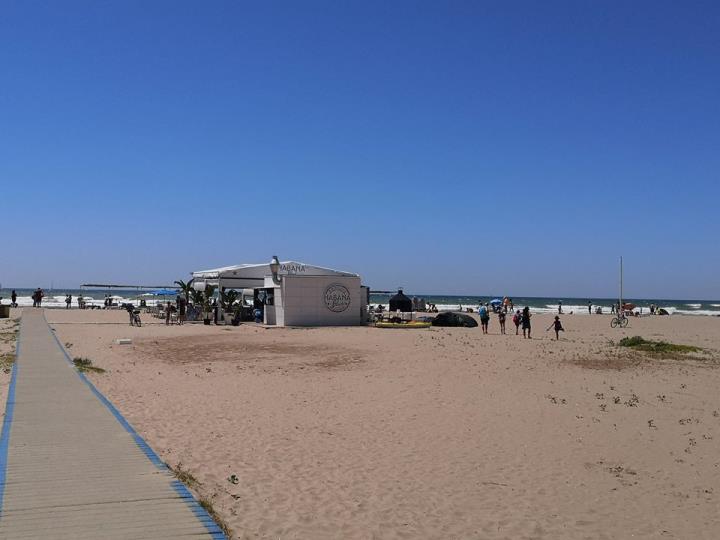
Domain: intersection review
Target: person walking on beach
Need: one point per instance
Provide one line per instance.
(589, 307)
(168, 311)
(68, 301)
(484, 318)
(501, 320)
(526, 322)
(13, 298)
(517, 319)
(559, 307)
(181, 309)
(558, 327)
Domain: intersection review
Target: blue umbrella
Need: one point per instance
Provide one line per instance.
(496, 301)
(164, 292)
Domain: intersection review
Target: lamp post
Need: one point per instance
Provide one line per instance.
(274, 269)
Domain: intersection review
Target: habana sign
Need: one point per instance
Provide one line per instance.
(337, 298)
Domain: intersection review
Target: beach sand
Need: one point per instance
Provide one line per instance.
(8, 338)
(363, 433)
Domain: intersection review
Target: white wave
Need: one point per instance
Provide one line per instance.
(694, 306)
(58, 301)
(567, 310)
(704, 312)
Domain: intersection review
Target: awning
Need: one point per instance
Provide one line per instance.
(250, 276)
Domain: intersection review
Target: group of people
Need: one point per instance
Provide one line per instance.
(37, 297)
(521, 319)
(180, 308)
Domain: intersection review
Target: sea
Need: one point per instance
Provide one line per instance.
(544, 304)
(55, 298)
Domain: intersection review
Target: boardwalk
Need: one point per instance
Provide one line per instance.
(72, 468)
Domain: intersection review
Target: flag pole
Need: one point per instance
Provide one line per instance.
(621, 284)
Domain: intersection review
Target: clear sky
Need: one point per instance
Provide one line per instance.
(450, 147)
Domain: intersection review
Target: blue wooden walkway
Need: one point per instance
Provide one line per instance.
(71, 467)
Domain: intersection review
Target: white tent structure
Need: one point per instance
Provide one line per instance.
(299, 294)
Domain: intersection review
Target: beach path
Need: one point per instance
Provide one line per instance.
(71, 467)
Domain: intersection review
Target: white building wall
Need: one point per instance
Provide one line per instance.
(302, 301)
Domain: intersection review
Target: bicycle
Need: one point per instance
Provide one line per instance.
(134, 315)
(621, 320)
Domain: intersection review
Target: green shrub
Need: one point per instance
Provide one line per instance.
(656, 347)
(84, 365)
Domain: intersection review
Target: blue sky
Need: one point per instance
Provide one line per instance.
(450, 147)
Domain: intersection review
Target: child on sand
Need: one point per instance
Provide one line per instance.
(517, 319)
(558, 327)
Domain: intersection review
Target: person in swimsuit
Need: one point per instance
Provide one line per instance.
(501, 320)
(558, 327)
(517, 319)
(526, 322)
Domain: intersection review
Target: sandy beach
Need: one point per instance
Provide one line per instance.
(440, 433)
(8, 336)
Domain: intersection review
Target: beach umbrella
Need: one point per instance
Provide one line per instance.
(164, 292)
(496, 301)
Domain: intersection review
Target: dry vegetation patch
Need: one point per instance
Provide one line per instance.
(636, 351)
(187, 478)
(262, 356)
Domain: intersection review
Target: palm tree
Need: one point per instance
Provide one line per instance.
(228, 298)
(185, 288)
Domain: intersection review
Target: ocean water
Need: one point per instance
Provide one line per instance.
(56, 299)
(577, 306)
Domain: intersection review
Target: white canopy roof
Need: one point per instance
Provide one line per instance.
(253, 275)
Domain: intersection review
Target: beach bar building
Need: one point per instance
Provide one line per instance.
(294, 293)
